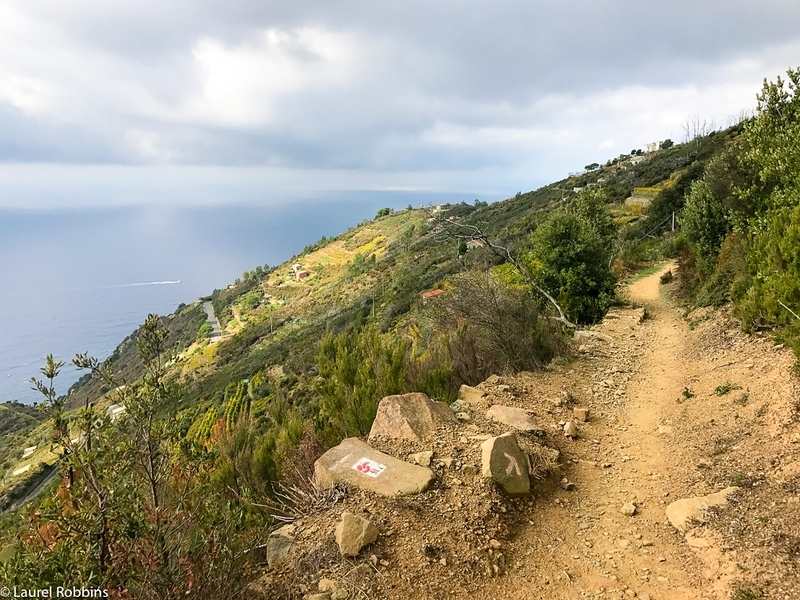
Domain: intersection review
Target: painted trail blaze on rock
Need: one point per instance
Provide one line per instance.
(505, 462)
(413, 417)
(355, 463)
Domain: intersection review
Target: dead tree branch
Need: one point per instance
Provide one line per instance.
(450, 228)
(789, 309)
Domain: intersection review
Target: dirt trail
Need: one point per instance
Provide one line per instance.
(582, 545)
(679, 406)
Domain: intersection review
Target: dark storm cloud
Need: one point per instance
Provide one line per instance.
(509, 87)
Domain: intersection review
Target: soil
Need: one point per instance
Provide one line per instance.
(680, 405)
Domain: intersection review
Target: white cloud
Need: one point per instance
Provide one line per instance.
(238, 84)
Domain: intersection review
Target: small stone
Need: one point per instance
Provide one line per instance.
(682, 513)
(581, 414)
(512, 416)
(629, 509)
(423, 459)
(353, 533)
(279, 543)
(566, 484)
(464, 417)
(570, 429)
(494, 544)
(326, 585)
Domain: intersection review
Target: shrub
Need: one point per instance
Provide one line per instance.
(493, 327)
(356, 369)
(571, 260)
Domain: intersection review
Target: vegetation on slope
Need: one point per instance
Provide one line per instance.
(310, 346)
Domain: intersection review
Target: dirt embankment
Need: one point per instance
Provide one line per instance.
(679, 407)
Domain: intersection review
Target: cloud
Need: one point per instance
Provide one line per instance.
(520, 92)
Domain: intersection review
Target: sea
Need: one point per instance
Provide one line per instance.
(81, 280)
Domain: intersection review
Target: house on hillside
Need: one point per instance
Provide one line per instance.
(635, 160)
(299, 272)
(429, 295)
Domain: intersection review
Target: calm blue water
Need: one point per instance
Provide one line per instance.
(81, 281)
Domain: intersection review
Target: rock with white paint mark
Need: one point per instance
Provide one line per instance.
(504, 461)
(355, 463)
(682, 514)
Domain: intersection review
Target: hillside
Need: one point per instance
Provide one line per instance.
(374, 273)
(667, 409)
(469, 391)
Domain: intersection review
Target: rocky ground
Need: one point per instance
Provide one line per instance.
(677, 407)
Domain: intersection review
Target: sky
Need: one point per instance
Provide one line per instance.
(211, 102)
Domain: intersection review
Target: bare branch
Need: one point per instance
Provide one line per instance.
(789, 309)
(449, 227)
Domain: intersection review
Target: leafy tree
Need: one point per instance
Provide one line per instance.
(704, 220)
(570, 258)
(666, 144)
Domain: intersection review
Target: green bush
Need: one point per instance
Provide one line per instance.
(571, 260)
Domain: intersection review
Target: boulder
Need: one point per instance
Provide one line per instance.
(513, 417)
(279, 543)
(355, 463)
(683, 513)
(503, 461)
(413, 417)
(353, 533)
(472, 397)
(581, 414)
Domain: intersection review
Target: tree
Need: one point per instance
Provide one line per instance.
(666, 144)
(570, 257)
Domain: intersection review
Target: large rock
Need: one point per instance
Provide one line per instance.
(353, 533)
(279, 543)
(413, 417)
(472, 398)
(355, 463)
(682, 514)
(504, 461)
(513, 417)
